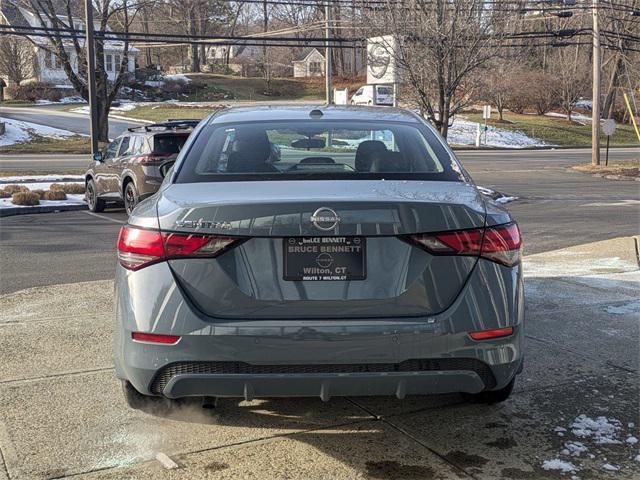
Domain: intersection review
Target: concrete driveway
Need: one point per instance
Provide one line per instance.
(574, 413)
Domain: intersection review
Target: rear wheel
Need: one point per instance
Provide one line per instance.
(93, 201)
(130, 197)
(492, 396)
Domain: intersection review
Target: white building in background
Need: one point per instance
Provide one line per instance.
(47, 66)
(310, 63)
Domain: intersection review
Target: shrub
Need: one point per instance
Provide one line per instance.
(11, 189)
(39, 192)
(4, 194)
(68, 187)
(54, 195)
(35, 91)
(25, 198)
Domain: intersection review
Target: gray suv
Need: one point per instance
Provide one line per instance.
(359, 259)
(129, 168)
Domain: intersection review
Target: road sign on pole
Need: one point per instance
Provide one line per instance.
(608, 127)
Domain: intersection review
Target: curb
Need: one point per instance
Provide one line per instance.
(625, 178)
(11, 211)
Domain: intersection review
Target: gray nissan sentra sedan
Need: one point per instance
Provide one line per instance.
(327, 251)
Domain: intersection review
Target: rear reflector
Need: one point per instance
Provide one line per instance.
(138, 248)
(155, 338)
(496, 333)
(500, 244)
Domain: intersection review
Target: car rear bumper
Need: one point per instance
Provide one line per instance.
(266, 358)
(323, 386)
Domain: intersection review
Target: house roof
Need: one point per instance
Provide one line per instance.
(11, 10)
(305, 53)
(12, 14)
(60, 7)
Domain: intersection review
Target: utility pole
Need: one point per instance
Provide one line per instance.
(91, 75)
(327, 56)
(595, 101)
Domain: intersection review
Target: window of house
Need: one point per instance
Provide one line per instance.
(315, 67)
(51, 61)
(117, 61)
(108, 63)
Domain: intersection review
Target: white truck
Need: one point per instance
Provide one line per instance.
(373, 95)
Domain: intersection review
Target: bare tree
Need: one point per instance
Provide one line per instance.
(198, 17)
(63, 14)
(571, 78)
(16, 59)
(439, 46)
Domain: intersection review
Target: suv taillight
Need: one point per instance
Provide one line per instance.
(152, 158)
(138, 248)
(500, 244)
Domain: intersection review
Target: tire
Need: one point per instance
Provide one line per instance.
(130, 196)
(492, 396)
(95, 203)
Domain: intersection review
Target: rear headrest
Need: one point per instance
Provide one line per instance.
(390, 162)
(364, 154)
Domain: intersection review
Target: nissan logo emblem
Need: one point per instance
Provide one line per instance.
(325, 219)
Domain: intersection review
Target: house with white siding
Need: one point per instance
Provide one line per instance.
(47, 67)
(310, 63)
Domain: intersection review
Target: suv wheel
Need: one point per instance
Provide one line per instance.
(130, 197)
(93, 201)
(492, 396)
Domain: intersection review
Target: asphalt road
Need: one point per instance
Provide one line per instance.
(53, 117)
(555, 209)
(489, 160)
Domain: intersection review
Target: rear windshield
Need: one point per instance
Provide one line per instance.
(168, 143)
(316, 150)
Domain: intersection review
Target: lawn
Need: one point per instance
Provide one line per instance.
(164, 111)
(213, 88)
(40, 144)
(558, 131)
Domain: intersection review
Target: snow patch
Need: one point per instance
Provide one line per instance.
(628, 308)
(65, 100)
(602, 429)
(496, 196)
(575, 449)
(463, 132)
(561, 465)
(178, 77)
(53, 178)
(610, 468)
(21, 132)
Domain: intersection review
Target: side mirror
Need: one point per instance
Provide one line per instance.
(98, 157)
(165, 167)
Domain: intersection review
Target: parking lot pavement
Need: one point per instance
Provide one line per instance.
(575, 405)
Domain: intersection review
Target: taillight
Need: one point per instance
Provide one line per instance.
(155, 338)
(151, 158)
(495, 333)
(138, 248)
(499, 244)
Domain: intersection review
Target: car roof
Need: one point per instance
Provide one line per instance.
(304, 112)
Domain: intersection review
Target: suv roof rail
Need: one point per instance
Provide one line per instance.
(171, 124)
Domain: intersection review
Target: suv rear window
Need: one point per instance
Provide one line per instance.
(317, 150)
(168, 143)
